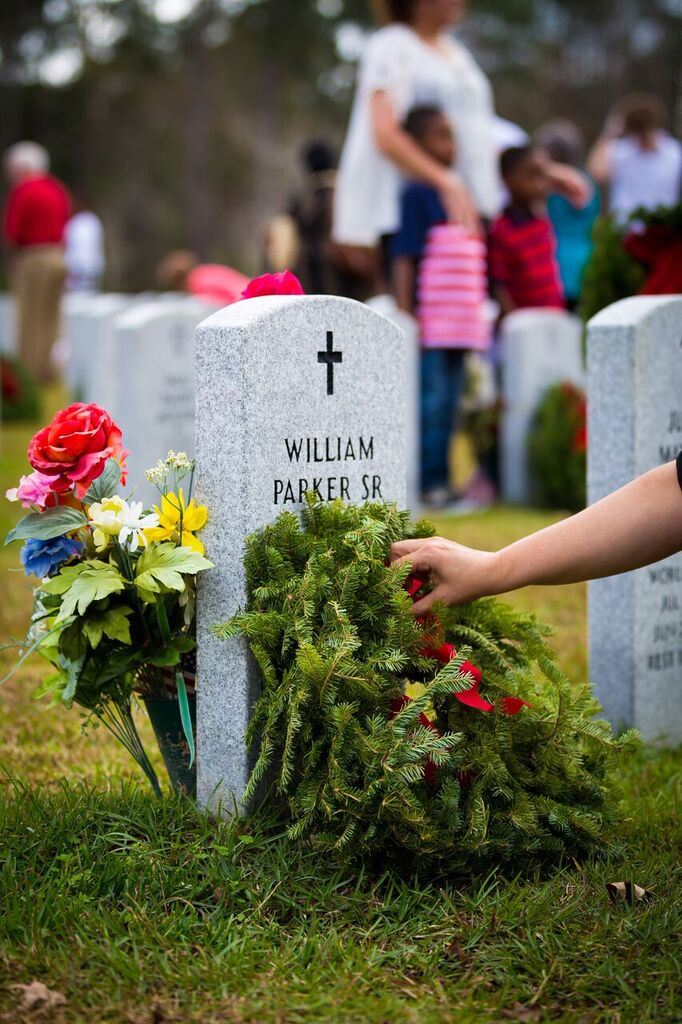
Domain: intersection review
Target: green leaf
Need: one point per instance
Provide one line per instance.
(82, 584)
(73, 670)
(53, 522)
(161, 567)
(170, 653)
(112, 623)
(185, 716)
(106, 485)
(72, 643)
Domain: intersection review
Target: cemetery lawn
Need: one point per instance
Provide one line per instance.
(137, 911)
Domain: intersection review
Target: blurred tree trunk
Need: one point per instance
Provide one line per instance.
(197, 135)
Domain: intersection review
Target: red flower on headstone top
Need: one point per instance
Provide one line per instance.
(284, 283)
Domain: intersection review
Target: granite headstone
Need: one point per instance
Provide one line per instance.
(8, 341)
(294, 394)
(88, 324)
(635, 424)
(539, 347)
(153, 366)
(387, 306)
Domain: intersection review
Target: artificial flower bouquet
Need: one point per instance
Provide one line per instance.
(114, 607)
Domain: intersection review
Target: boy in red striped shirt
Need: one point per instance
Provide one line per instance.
(522, 252)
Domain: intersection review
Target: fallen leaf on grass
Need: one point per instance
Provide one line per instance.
(524, 1014)
(37, 996)
(627, 891)
(454, 948)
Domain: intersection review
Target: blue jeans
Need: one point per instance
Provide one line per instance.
(442, 376)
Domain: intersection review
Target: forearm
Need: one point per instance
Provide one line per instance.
(599, 159)
(636, 525)
(401, 148)
(500, 293)
(404, 272)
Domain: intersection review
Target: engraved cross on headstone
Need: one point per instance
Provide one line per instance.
(329, 356)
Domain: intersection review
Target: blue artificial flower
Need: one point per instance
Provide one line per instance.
(44, 557)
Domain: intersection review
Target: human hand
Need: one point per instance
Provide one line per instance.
(458, 202)
(572, 184)
(458, 574)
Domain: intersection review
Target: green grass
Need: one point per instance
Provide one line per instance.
(140, 910)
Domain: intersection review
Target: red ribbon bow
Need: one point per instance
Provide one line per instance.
(471, 697)
(446, 652)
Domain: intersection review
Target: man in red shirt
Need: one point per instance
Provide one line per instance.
(36, 213)
(523, 265)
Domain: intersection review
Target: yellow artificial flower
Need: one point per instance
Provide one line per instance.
(172, 509)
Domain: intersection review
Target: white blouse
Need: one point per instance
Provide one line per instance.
(645, 177)
(412, 73)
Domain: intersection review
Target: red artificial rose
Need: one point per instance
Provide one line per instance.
(74, 448)
(284, 283)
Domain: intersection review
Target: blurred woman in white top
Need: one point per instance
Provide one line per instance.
(412, 61)
(639, 162)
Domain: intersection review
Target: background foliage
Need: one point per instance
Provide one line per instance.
(557, 449)
(180, 120)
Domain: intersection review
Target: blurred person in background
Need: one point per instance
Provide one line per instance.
(413, 60)
(562, 141)
(181, 271)
(523, 267)
(84, 237)
(439, 274)
(311, 212)
(506, 134)
(635, 158)
(36, 213)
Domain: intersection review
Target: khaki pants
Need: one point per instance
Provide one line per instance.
(38, 276)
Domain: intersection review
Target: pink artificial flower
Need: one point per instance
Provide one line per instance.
(284, 283)
(35, 489)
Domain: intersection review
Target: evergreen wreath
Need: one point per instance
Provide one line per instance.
(366, 768)
(557, 449)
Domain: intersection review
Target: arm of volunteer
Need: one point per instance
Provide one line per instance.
(635, 526)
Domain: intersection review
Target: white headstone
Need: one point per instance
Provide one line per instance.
(539, 347)
(153, 368)
(293, 394)
(387, 306)
(8, 340)
(86, 328)
(635, 424)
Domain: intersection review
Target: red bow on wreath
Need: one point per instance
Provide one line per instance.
(446, 652)
(471, 697)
